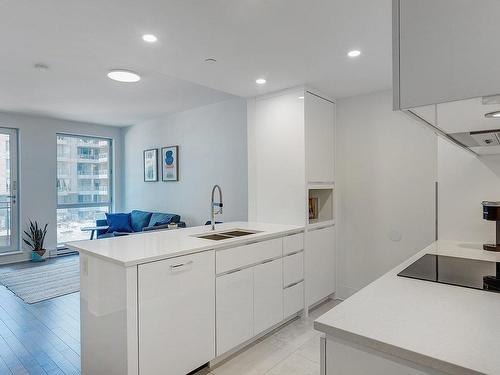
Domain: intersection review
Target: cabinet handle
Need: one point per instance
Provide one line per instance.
(177, 266)
(234, 271)
(293, 253)
(293, 284)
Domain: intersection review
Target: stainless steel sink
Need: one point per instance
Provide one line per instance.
(214, 236)
(226, 235)
(238, 233)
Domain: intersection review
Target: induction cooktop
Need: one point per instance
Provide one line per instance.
(465, 272)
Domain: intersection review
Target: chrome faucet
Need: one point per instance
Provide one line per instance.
(216, 208)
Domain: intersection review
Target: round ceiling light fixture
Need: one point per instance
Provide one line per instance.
(301, 97)
(150, 38)
(354, 53)
(495, 114)
(260, 81)
(123, 75)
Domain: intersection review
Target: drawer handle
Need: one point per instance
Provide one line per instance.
(293, 284)
(174, 267)
(234, 271)
(293, 253)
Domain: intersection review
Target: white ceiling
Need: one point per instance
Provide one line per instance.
(289, 42)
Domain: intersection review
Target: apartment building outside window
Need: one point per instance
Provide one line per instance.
(84, 184)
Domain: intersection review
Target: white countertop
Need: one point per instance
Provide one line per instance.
(162, 244)
(449, 328)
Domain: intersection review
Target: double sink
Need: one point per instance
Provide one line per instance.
(233, 233)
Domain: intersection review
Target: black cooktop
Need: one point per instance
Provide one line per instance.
(469, 273)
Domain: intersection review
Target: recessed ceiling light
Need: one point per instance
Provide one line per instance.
(354, 53)
(122, 75)
(260, 81)
(210, 60)
(150, 38)
(301, 97)
(495, 114)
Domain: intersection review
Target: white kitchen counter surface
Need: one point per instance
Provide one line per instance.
(448, 328)
(162, 244)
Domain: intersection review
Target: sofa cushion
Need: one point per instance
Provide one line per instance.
(139, 219)
(159, 218)
(119, 223)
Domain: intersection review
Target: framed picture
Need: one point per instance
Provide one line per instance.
(151, 165)
(170, 163)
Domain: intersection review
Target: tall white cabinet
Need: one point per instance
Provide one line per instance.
(291, 157)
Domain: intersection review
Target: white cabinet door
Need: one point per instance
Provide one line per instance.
(320, 264)
(234, 293)
(276, 149)
(293, 299)
(293, 268)
(445, 51)
(176, 300)
(320, 139)
(268, 295)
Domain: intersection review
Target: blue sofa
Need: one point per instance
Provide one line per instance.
(141, 221)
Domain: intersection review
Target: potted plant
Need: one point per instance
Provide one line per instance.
(34, 239)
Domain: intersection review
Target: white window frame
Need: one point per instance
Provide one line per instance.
(108, 204)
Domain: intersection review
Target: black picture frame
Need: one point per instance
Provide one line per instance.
(175, 149)
(150, 154)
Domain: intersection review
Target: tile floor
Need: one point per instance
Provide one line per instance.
(44, 338)
(291, 350)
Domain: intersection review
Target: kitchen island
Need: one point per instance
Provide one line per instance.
(171, 301)
(399, 325)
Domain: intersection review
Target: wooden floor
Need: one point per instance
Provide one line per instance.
(42, 338)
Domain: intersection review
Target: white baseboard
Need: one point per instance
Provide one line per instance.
(14, 257)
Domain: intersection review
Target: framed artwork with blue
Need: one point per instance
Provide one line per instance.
(151, 165)
(170, 163)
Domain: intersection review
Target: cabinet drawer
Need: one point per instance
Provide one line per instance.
(293, 299)
(293, 243)
(293, 268)
(242, 256)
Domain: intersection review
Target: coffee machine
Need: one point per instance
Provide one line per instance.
(491, 211)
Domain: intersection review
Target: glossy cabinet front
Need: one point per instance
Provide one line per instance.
(176, 314)
(234, 309)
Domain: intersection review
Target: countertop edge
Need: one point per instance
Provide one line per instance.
(382, 347)
(210, 246)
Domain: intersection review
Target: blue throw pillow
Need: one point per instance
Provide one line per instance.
(139, 219)
(159, 218)
(119, 223)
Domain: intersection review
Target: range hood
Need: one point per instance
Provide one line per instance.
(484, 142)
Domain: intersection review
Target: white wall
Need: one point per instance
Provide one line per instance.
(466, 180)
(38, 167)
(212, 150)
(386, 170)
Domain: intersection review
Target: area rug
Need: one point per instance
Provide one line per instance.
(45, 281)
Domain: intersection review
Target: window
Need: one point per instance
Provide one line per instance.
(84, 192)
(9, 224)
